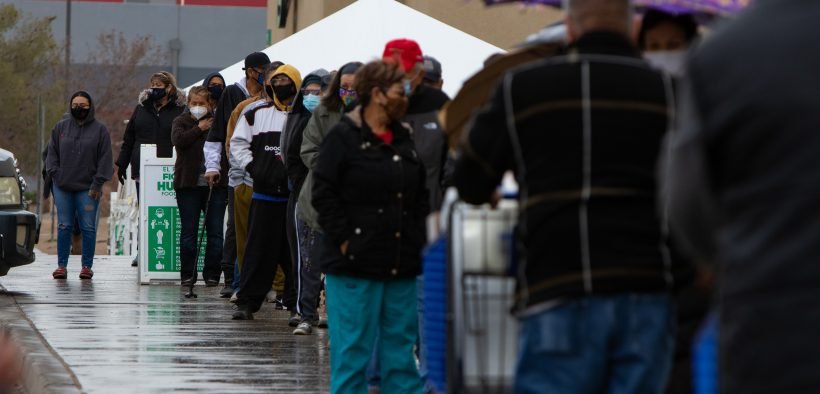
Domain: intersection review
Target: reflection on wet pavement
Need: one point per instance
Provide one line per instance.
(119, 336)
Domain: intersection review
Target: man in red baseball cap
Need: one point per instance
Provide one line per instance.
(404, 51)
(424, 103)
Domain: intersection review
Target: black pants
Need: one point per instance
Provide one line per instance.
(229, 248)
(293, 245)
(191, 202)
(308, 274)
(267, 248)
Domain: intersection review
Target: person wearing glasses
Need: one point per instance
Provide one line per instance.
(79, 163)
(369, 189)
(307, 277)
(340, 98)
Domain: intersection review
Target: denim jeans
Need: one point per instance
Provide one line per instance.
(191, 202)
(79, 206)
(618, 344)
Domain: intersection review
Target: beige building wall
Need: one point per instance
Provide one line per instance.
(503, 25)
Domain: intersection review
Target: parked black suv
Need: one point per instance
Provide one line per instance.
(18, 227)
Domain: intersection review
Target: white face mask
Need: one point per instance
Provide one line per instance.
(672, 62)
(198, 112)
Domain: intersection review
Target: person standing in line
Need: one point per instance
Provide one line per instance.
(596, 251)
(194, 194)
(255, 147)
(424, 104)
(340, 98)
(78, 163)
(150, 123)
(432, 73)
(244, 187)
(741, 182)
(369, 191)
(251, 85)
(665, 38)
(216, 85)
(307, 276)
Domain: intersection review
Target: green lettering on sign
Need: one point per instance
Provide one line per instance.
(165, 186)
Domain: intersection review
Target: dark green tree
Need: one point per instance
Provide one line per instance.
(27, 71)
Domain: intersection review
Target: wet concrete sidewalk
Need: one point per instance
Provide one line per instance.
(117, 336)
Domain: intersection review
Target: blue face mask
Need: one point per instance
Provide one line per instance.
(408, 88)
(311, 101)
(261, 79)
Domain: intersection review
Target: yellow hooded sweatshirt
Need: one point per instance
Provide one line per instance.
(295, 76)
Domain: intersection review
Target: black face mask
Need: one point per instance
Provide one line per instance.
(80, 113)
(156, 93)
(269, 91)
(283, 93)
(216, 92)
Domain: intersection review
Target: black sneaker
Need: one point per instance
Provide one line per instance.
(279, 304)
(322, 323)
(294, 319)
(187, 282)
(243, 313)
(211, 282)
(226, 291)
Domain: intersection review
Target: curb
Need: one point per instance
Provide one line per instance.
(43, 369)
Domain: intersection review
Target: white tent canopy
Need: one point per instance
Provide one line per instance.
(359, 31)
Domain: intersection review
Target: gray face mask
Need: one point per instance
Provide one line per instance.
(671, 62)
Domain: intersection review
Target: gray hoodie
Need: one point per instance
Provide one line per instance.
(79, 153)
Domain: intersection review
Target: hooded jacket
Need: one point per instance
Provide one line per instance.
(79, 154)
(315, 132)
(209, 77)
(372, 195)
(292, 139)
(294, 75)
(255, 142)
(148, 125)
(188, 140)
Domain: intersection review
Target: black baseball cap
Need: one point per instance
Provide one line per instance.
(432, 69)
(256, 59)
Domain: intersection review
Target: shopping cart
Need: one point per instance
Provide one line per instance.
(470, 333)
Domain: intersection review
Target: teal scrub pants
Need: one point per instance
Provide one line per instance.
(356, 310)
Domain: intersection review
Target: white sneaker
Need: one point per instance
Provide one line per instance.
(303, 328)
(233, 297)
(271, 297)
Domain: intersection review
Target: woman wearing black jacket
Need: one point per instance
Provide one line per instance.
(150, 123)
(369, 191)
(193, 192)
